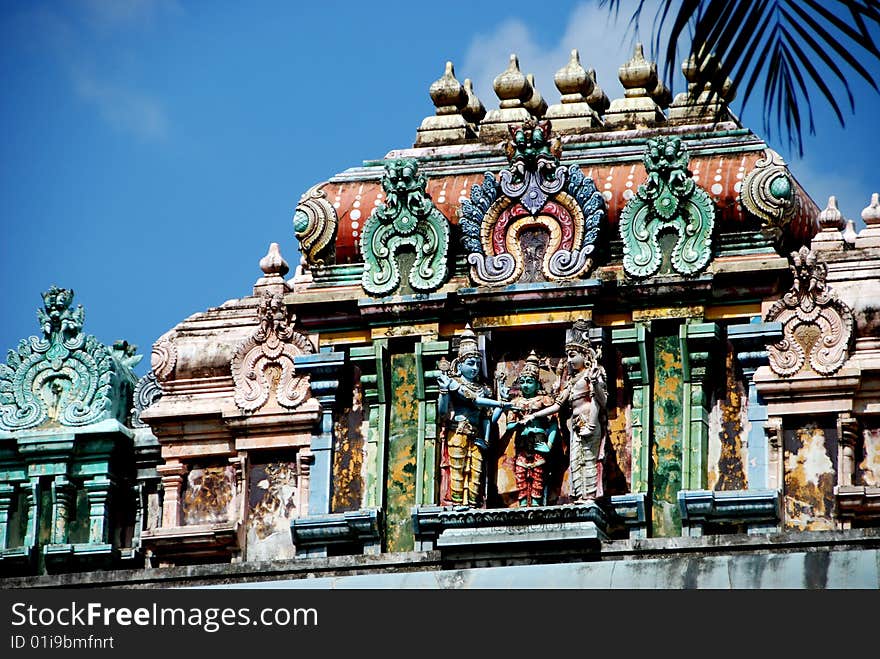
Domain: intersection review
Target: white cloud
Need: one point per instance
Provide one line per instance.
(588, 30)
(125, 109)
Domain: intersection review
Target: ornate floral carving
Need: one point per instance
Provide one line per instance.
(163, 358)
(409, 218)
(536, 192)
(669, 199)
(314, 223)
(816, 323)
(65, 377)
(264, 361)
(146, 392)
(768, 191)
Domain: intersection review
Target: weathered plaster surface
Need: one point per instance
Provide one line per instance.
(348, 457)
(666, 448)
(209, 495)
(272, 493)
(809, 478)
(402, 443)
(868, 470)
(730, 468)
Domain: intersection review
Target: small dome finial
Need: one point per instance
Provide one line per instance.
(273, 264)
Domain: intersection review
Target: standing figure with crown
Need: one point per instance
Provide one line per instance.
(533, 439)
(463, 407)
(586, 395)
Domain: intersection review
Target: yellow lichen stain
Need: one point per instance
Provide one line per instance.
(669, 361)
(732, 474)
(619, 436)
(870, 466)
(809, 482)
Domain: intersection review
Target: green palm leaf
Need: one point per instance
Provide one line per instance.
(800, 48)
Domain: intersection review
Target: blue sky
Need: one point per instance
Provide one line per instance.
(151, 150)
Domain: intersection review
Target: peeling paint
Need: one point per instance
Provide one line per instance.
(868, 472)
(618, 455)
(731, 465)
(348, 457)
(809, 477)
(666, 448)
(402, 443)
(272, 494)
(209, 495)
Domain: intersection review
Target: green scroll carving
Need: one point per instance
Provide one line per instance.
(668, 200)
(408, 219)
(66, 377)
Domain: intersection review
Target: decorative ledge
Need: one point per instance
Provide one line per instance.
(441, 527)
(74, 556)
(758, 510)
(196, 541)
(856, 503)
(629, 510)
(315, 535)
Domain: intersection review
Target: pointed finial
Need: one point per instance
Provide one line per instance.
(638, 76)
(572, 81)
(474, 111)
(871, 213)
(849, 233)
(273, 264)
(447, 93)
(831, 217)
(511, 86)
(597, 98)
(536, 105)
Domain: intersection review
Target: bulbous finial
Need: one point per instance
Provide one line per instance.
(871, 213)
(511, 86)
(448, 95)
(638, 76)
(474, 110)
(831, 217)
(572, 81)
(597, 98)
(273, 264)
(536, 105)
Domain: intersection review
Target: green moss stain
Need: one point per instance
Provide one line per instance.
(666, 448)
(402, 444)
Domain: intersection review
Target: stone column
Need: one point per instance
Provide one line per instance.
(99, 490)
(7, 497)
(32, 494)
(323, 371)
(775, 457)
(848, 432)
(63, 501)
(698, 342)
(750, 343)
(372, 360)
(632, 342)
(172, 475)
(427, 391)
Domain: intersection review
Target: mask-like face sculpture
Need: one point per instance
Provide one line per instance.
(576, 360)
(528, 385)
(469, 368)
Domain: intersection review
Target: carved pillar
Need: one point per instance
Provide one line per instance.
(427, 481)
(172, 475)
(323, 371)
(749, 343)
(32, 502)
(63, 500)
(304, 462)
(632, 342)
(99, 490)
(698, 342)
(371, 360)
(848, 432)
(775, 457)
(7, 497)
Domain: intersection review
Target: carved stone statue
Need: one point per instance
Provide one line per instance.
(463, 407)
(586, 395)
(534, 438)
